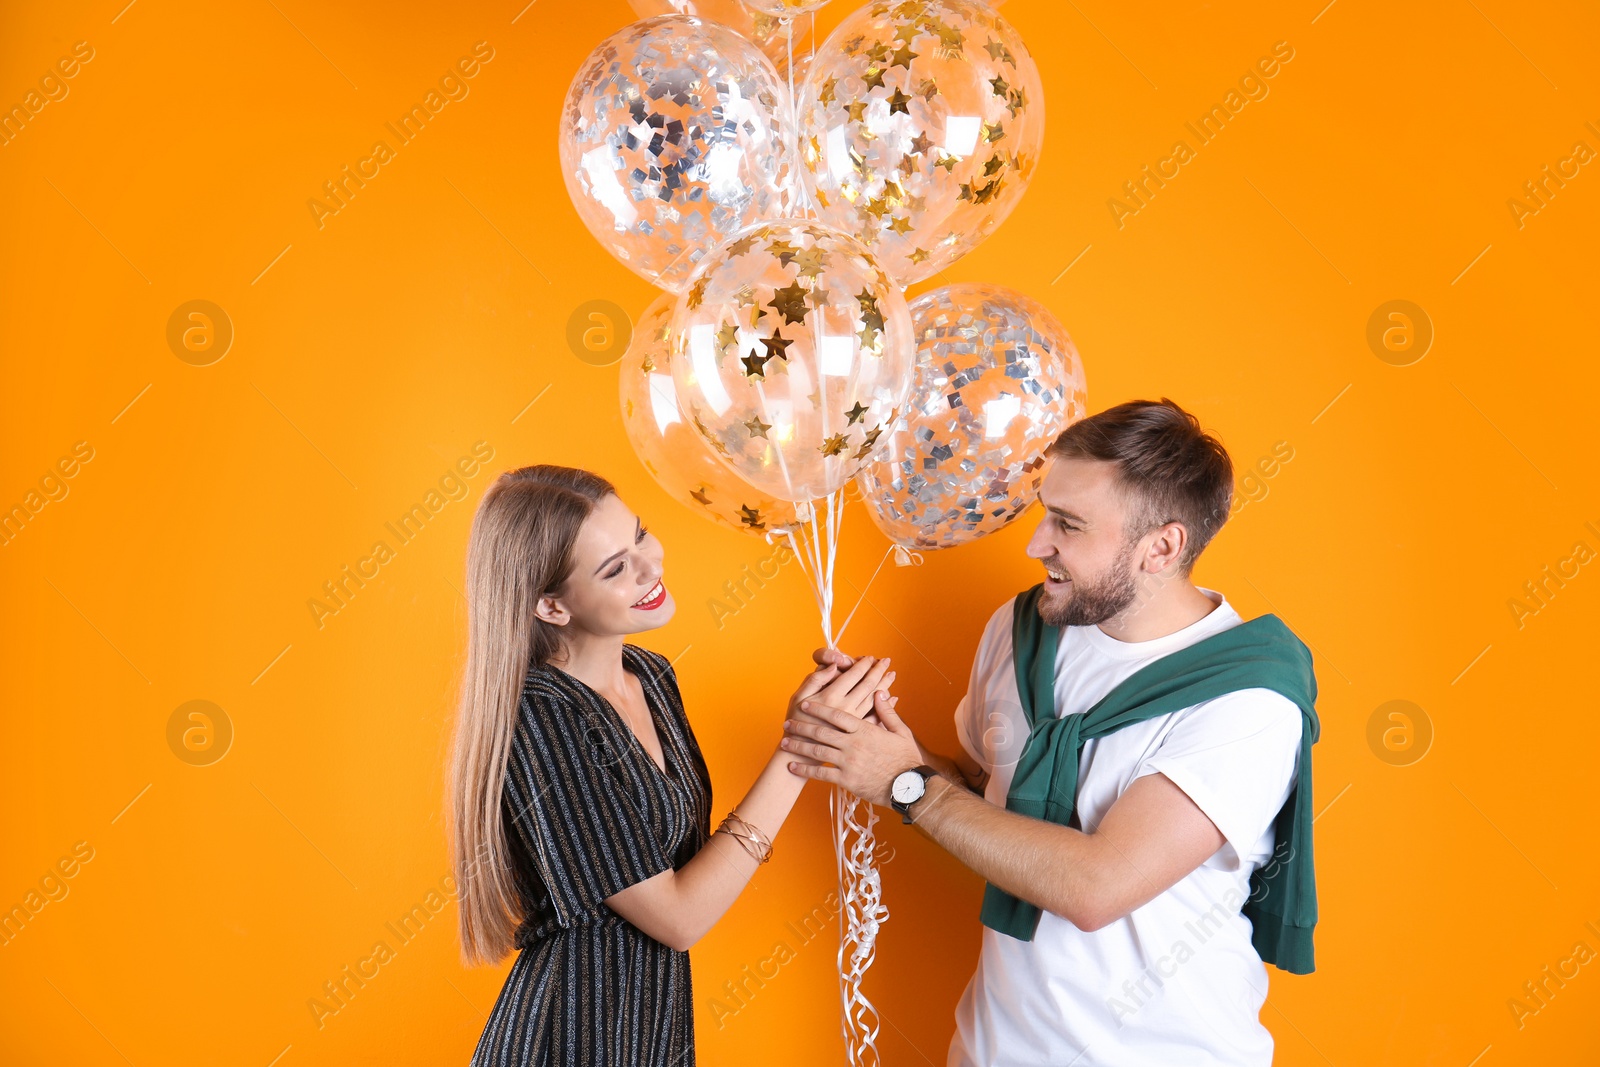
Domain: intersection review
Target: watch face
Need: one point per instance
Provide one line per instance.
(908, 787)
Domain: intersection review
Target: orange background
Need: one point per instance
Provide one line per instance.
(370, 354)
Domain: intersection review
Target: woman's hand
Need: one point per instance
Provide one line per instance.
(850, 689)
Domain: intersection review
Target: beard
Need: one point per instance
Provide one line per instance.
(1093, 601)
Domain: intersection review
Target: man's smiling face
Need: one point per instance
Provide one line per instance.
(1089, 562)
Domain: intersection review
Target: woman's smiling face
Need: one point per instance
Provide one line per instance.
(615, 586)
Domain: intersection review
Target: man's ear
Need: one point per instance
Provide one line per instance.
(1166, 549)
(549, 609)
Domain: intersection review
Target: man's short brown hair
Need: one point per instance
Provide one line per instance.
(1169, 468)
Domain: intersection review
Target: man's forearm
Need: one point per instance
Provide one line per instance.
(1050, 866)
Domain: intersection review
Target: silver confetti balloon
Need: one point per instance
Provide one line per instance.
(997, 379)
(674, 135)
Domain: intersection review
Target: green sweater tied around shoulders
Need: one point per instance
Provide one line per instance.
(1260, 654)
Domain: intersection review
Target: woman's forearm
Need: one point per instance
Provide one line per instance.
(678, 907)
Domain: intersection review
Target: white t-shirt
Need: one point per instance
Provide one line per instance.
(1176, 981)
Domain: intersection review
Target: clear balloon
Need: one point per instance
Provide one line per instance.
(997, 380)
(767, 32)
(674, 136)
(674, 453)
(787, 9)
(793, 356)
(920, 125)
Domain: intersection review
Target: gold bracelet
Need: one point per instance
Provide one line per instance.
(757, 844)
(752, 840)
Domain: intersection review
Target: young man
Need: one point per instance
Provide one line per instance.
(1143, 759)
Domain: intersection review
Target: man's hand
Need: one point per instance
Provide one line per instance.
(865, 758)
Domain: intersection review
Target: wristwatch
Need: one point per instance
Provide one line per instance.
(907, 788)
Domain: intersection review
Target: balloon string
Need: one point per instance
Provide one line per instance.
(902, 557)
(800, 557)
(862, 911)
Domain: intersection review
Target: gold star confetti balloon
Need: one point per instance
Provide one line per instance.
(767, 32)
(997, 379)
(920, 125)
(674, 453)
(674, 136)
(792, 356)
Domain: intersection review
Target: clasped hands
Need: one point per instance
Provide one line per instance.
(843, 728)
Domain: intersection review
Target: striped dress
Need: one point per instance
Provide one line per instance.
(591, 814)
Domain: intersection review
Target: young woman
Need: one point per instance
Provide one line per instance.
(581, 806)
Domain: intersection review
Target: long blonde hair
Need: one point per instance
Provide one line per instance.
(520, 549)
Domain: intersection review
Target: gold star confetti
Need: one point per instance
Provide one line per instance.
(920, 143)
(871, 315)
(903, 57)
(1016, 102)
(697, 293)
(854, 414)
(951, 40)
(906, 166)
(901, 225)
(753, 366)
(877, 52)
(866, 446)
(826, 96)
(783, 250)
(819, 298)
(647, 365)
(874, 77)
(966, 192)
(947, 162)
(746, 297)
(756, 427)
(856, 109)
(928, 89)
(996, 162)
(810, 262)
(751, 517)
(777, 345)
(727, 335)
(992, 131)
(700, 495)
(790, 302)
(898, 102)
(833, 445)
(998, 50)
(917, 255)
(998, 85)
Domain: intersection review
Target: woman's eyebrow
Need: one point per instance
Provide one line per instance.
(638, 524)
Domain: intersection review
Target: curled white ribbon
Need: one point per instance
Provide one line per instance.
(862, 911)
(861, 914)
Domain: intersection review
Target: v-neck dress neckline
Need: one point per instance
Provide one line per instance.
(669, 766)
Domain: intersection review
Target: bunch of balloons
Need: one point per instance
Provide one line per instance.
(784, 203)
(783, 361)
